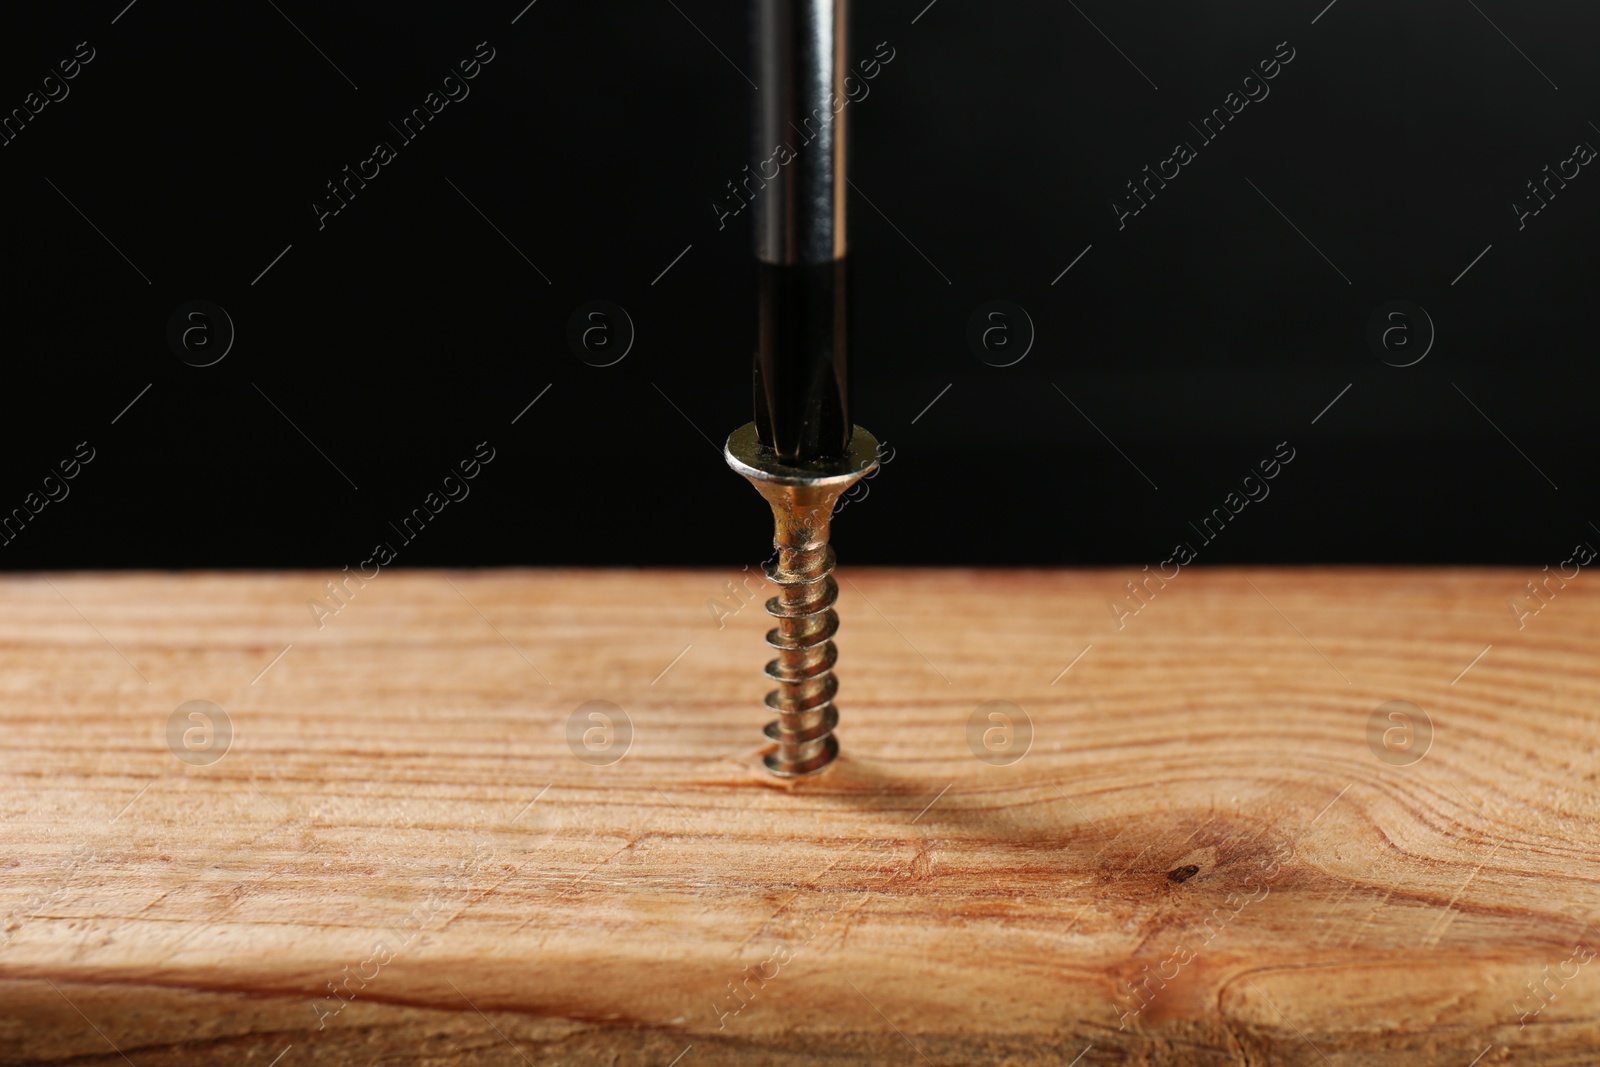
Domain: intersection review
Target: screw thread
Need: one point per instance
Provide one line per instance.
(803, 669)
(802, 498)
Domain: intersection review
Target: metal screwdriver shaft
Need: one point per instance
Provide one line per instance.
(802, 451)
(802, 397)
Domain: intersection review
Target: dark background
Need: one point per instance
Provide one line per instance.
(408, 330)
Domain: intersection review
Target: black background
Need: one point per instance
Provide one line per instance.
(408, 330)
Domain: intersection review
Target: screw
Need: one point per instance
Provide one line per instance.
(802, 496)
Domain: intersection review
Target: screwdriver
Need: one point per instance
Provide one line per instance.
(801, 452)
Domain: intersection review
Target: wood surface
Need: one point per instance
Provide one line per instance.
(1201, 859)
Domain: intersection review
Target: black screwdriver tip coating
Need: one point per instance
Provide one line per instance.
(801, 380)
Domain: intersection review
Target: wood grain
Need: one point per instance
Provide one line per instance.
(1200, 859)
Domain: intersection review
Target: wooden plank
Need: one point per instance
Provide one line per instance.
(1200, 859)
